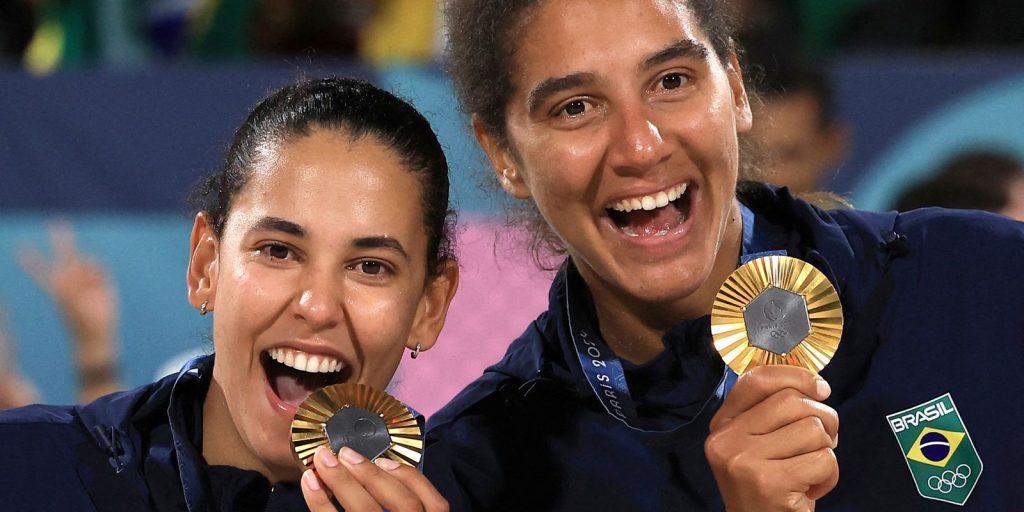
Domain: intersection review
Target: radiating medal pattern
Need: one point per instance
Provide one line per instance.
(777, 310)
(363, 418)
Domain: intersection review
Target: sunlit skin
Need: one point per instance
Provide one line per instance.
(314, 256)
(801, 147)
(601, 115)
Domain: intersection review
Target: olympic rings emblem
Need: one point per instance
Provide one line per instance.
(950, 479)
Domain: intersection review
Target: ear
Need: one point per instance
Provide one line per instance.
(203, 264)
(433, 307)
(741, 103)
(504, 164)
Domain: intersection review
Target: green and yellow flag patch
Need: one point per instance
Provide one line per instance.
(938, 449)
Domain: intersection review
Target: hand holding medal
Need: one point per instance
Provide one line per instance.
(360, 445)
(776, 322)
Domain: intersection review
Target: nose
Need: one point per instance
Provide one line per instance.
(319, 302)
(637, 142)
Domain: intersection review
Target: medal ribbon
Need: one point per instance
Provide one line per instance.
(602, 367)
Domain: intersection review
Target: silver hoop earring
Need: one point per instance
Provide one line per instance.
(416, 353)
(203, 306)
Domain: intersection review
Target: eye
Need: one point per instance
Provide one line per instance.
(372, 267)
(672, 80)
(575, 108)
(277, 252)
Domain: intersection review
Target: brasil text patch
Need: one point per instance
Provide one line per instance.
(942, 459)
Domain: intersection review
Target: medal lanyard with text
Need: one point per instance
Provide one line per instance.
(603, 368)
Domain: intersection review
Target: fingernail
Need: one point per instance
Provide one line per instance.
(824, 390)
(351, 456)
(311, 480)
(387, 464)
(327, 458)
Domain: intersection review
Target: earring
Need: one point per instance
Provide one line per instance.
(506, 182)
(416, 353)
(203, 306)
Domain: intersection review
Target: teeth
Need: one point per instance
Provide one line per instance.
(306, 362)
(650, 202)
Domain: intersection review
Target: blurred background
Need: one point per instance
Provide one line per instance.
(111, 109)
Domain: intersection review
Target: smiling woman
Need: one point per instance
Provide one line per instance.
(619, 125)
(322, 250)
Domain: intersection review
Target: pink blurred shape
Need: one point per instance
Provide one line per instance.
(500, 293)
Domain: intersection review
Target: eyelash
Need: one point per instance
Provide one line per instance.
(266, 249)
(658, 85)
(382, 268)
(563, 110)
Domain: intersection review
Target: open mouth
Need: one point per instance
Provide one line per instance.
(294, 375)
(653, 215)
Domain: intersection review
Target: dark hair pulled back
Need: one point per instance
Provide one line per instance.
(357, 108)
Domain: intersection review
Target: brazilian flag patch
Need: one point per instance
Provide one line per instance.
(938, 449)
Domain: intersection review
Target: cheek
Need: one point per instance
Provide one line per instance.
(713, 145)
(381, 321)
(381, 324)
(561, 166)
(255, 297)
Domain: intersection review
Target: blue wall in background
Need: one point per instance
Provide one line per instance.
(95, 147)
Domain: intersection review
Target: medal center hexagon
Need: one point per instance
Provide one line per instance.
(359, 429)
(777, 320)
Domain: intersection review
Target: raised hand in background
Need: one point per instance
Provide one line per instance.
(15, 390)
(87, 299)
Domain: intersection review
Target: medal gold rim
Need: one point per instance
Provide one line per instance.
(728, 327)
(308, 425)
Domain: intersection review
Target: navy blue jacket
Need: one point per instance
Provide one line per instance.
(933, 302)
(135, 450)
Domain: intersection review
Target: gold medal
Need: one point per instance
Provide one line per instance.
(368, 420)
(777, 310)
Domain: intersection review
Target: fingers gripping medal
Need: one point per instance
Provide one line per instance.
(363, 418)
(777, 310)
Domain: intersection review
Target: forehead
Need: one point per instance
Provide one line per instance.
(327, 177)
(563, 35)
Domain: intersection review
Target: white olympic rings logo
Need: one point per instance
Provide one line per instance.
(950, 479)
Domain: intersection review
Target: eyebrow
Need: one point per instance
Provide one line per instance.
(380, 242)
(552, 86)
(366, 242)
(683, 48)
(279, 224)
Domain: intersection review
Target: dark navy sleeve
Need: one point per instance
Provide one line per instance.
(38, 449)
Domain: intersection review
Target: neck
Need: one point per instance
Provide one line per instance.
(222, 444)
(634, 329)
